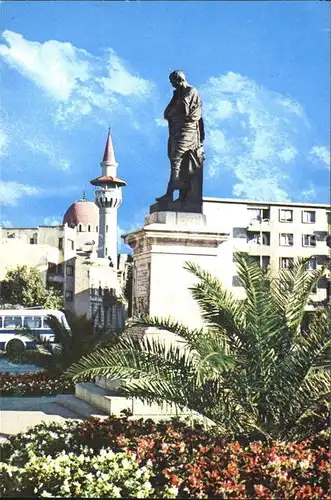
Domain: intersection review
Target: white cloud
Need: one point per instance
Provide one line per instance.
(52, 221)
(11, 192)
(320, 154)
(3, 143)
(56, 67)
(258, 144)
(309, 194)
(45, 148)
(121, 81)
(288, 154)
(6, 223)
(78, 81)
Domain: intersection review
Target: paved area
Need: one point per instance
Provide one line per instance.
(18, 414)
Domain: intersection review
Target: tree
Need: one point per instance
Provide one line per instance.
(69, 345)
(24, 286)
(251, 369)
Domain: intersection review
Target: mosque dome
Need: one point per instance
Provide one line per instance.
(82, 212)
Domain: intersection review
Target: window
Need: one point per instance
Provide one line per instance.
(254, 238)
(0, 322)
(70, 270)
(13, 322)
(97, 228)
(69, 296)
(236, 281)
(258, 214)
(308, 240)
(285, 215)
(308, 216)
(239, 232)
(286, 262)
(60, 243)
(106, 229)
(80, 228)
(71, 245)
(60, 269)
(45, 323)
(265, 261)
(34, 239)
(286, 239)
(51, 268)
(322, 283)
(32, 322)
(312, 264)
(89, 228)
(254, 213)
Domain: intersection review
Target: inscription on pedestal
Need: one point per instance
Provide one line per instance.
(141, 287)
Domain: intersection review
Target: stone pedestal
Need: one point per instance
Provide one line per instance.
(161, 248)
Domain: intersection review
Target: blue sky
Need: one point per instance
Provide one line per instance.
(71, 69)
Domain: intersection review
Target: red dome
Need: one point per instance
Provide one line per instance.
(84, 212)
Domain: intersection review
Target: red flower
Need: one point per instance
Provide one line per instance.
(174, 480)
(260, 490)
(232, 469)
(234, 446)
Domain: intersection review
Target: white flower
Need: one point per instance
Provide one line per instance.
(173, 491)
(116, 492)
(304, 464)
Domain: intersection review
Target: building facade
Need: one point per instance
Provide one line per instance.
(274, 234)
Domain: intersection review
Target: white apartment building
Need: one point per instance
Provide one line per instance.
(51, 249)
(273, 233)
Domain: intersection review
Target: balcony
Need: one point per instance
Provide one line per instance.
(258, 224)
(55, 278)
(55, 273)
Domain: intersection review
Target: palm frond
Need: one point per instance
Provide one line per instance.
(167, 324)
(218, 306)
(291, 290)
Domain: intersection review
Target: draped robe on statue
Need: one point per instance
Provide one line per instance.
(186, 134)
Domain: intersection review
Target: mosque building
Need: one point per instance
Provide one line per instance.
(79, 257)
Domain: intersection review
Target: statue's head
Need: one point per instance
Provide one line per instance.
(177, 79)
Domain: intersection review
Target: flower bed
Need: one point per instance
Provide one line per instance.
(119, 457)
(34, 384)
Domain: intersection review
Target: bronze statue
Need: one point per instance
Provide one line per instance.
(185, 148)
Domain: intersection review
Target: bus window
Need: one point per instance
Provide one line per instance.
(0, 322)
(13, 322)
(32, 322)
(45, 323)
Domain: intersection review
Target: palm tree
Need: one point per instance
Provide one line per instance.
(69, 344)
(252, 369)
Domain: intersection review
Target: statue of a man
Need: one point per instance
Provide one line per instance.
(186, 135)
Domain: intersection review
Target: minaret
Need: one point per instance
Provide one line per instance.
(108, 197)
